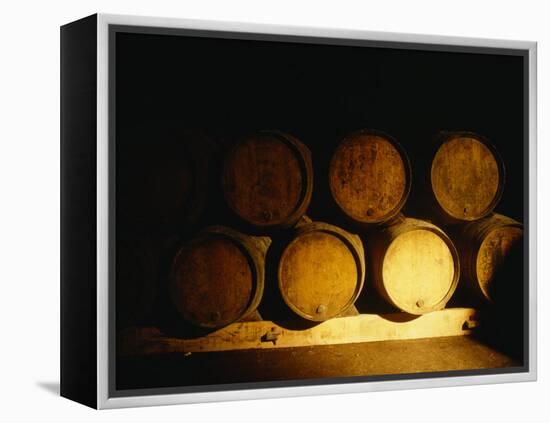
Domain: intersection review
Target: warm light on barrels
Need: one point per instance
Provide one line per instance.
(321, 271)
(267, 179)
(484, 247)
(415, 265)
(218, 277)
(369, 177)
(466, 178)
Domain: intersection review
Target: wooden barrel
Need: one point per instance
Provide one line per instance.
(321, 271)
(218, 277)
(415, 265)
(484, 247)
(369, 177)
(466, 177)
(267, 179)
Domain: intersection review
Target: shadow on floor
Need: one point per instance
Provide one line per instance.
(51, 387)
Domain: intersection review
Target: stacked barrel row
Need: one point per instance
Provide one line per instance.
(415, 265)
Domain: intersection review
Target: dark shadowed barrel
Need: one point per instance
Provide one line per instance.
(415, 265)
(267, 179)
(466, 178)
(321, 271)
(163, 178)
(369, 177)
(218, 277)
(136, 281)
(484, 247)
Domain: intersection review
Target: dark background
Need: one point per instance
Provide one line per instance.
(319, 93)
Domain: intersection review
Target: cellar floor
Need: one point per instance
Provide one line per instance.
(324, 361)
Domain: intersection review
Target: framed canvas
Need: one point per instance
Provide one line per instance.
(256, 211)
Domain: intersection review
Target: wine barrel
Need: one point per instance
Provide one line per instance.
(267, 179)
(218, 277)
(483, 248)
(321, 271)
(466, 178)
(415, 265)
(369, 177)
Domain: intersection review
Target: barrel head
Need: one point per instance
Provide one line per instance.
(319, 275)
(265, 180)
(492, 254)
(466, 177)
(369, 177)
(213, 281)
(419, 271)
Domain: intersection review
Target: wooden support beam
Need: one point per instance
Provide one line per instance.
(266, 334)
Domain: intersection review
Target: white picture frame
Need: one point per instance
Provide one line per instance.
(104, 363)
